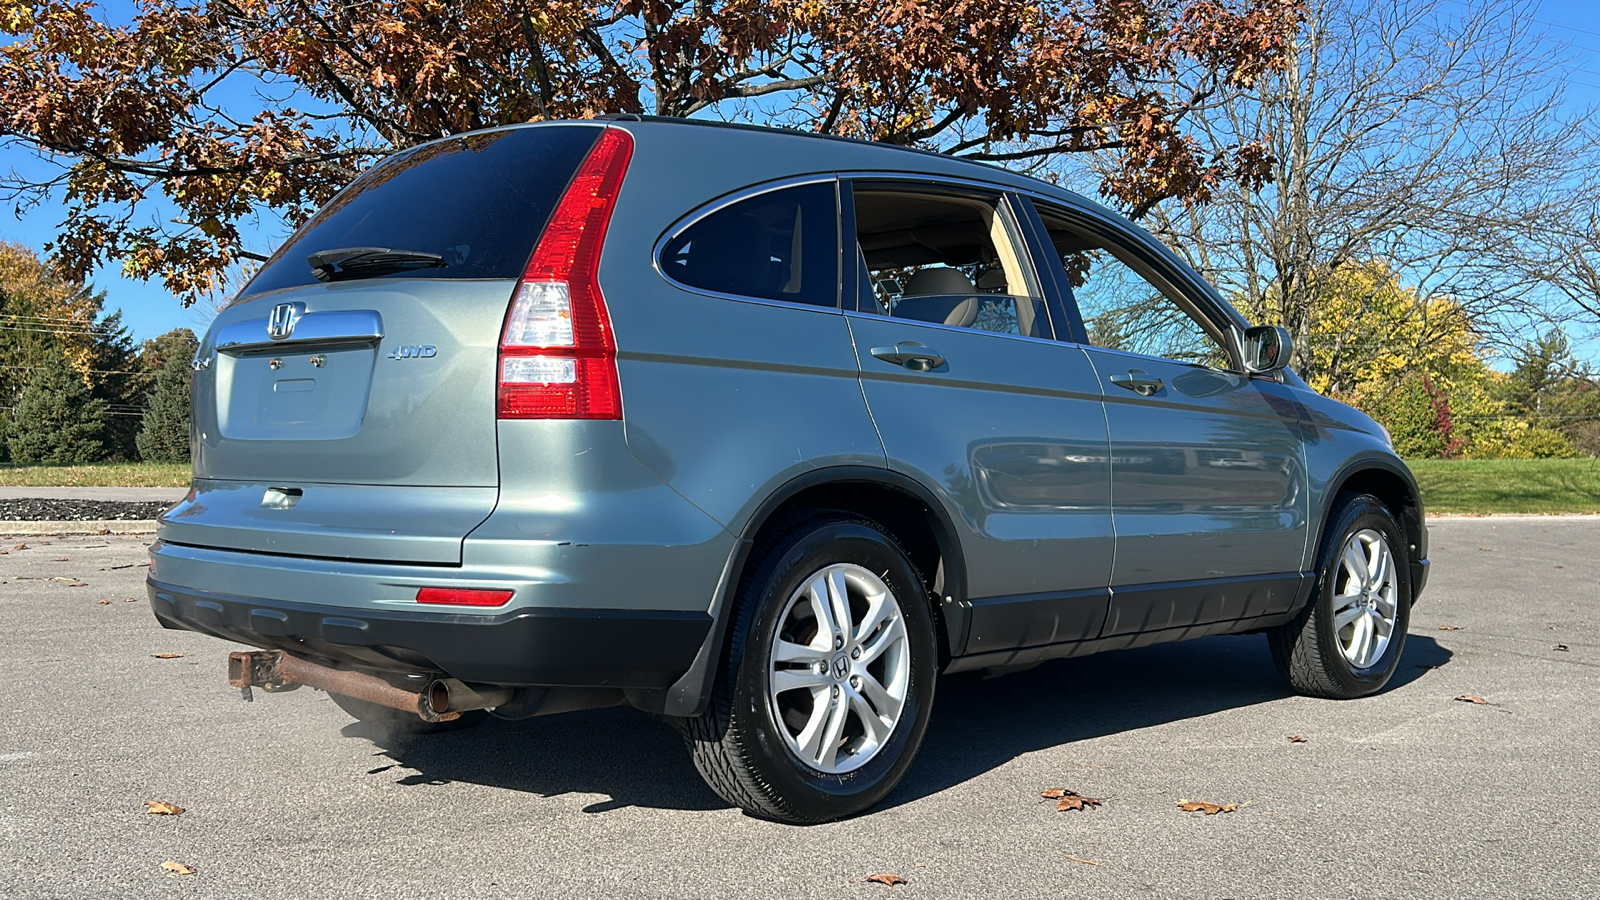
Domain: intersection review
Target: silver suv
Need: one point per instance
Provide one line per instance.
(760, 432)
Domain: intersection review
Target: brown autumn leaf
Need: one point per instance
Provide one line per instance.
(167, 655)
(103, 602)
(1207, 807)
(1079, 859)
(58, 559)
(886, 878)
(1449, 627)
(162, 808)
(177, 868)
(1487, 549)
(22, 546)
(1472, 698)
(1069, 800)
(1296, 739)
(130, 599)
(1075, 803)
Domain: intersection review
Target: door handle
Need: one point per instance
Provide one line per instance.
(910, 354)
(1138, 382)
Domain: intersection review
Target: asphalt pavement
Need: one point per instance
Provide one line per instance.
(1409, 794)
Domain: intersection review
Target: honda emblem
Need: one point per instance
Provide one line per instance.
(284, 315)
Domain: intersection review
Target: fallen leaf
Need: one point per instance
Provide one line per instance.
(167, 655)
(130, 599)
(20, 547)
(1296, 739)
(1487, 549)
(1561, 647)
(886, 878)
(1069, 800)
(1203, 806)
(177, 868)
(1079, 859)
(162, 808)
(1470, 698)
(59, 559)
(103, 602)
(1561, 567)
(1449, 627)
(102, 531)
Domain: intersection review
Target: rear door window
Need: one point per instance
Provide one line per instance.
(480, 201)
(779, 245)
(944, 258)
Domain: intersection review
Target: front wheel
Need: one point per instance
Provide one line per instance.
(824, 691)
(1346, 643)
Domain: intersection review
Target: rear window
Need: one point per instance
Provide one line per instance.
(478, 200)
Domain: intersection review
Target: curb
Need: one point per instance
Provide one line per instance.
(88, 526)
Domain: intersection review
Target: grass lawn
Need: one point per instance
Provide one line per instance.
(1508, 485)
(140, 474)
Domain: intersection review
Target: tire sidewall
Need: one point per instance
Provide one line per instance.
(1362, 513)
(815, 794)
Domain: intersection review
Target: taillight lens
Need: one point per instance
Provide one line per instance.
(558, 359)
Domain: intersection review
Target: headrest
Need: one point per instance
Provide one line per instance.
(929, 282)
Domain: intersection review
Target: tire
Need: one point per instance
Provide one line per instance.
(1347, 641)
(802, 729)
(393, 721)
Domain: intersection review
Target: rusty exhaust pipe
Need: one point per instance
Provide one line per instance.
(275, 670)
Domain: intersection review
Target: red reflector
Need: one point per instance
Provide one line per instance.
(463, 596)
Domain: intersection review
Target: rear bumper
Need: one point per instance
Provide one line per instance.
(620, 648)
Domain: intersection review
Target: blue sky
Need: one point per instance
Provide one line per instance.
(148, 310)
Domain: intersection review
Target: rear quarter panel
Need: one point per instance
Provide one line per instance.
(724, 399)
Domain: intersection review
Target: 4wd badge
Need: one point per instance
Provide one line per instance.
(414, 351)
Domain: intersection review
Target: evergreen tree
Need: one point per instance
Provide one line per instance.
(165, 434)
(57, 421)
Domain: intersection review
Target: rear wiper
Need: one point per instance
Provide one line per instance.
(365, 262)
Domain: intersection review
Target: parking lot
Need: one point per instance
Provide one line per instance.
(1411, 794)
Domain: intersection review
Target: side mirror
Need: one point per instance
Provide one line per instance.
(1267, 349)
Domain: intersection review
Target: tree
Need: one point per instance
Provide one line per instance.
(1430, 134)
(57, 421)
(148, 113)
(43, 316)
(1553, 390)
(164, 436)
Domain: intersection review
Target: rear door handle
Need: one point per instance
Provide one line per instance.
(1138, 382)
(910, 354)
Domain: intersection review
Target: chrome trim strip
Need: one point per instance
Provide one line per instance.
(334, 326)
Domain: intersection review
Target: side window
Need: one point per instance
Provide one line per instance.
(1126, 306)
(781, 245)
(942, 258)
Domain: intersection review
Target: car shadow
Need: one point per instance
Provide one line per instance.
(979, 724)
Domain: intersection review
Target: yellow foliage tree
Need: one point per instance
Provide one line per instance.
(38, 310)
(1415, 364)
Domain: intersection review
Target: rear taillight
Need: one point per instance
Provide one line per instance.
(558, 359)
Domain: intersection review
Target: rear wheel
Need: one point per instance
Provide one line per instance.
(1347, 641)
(824, 692)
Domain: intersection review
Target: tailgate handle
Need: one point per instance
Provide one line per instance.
(329, 327)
